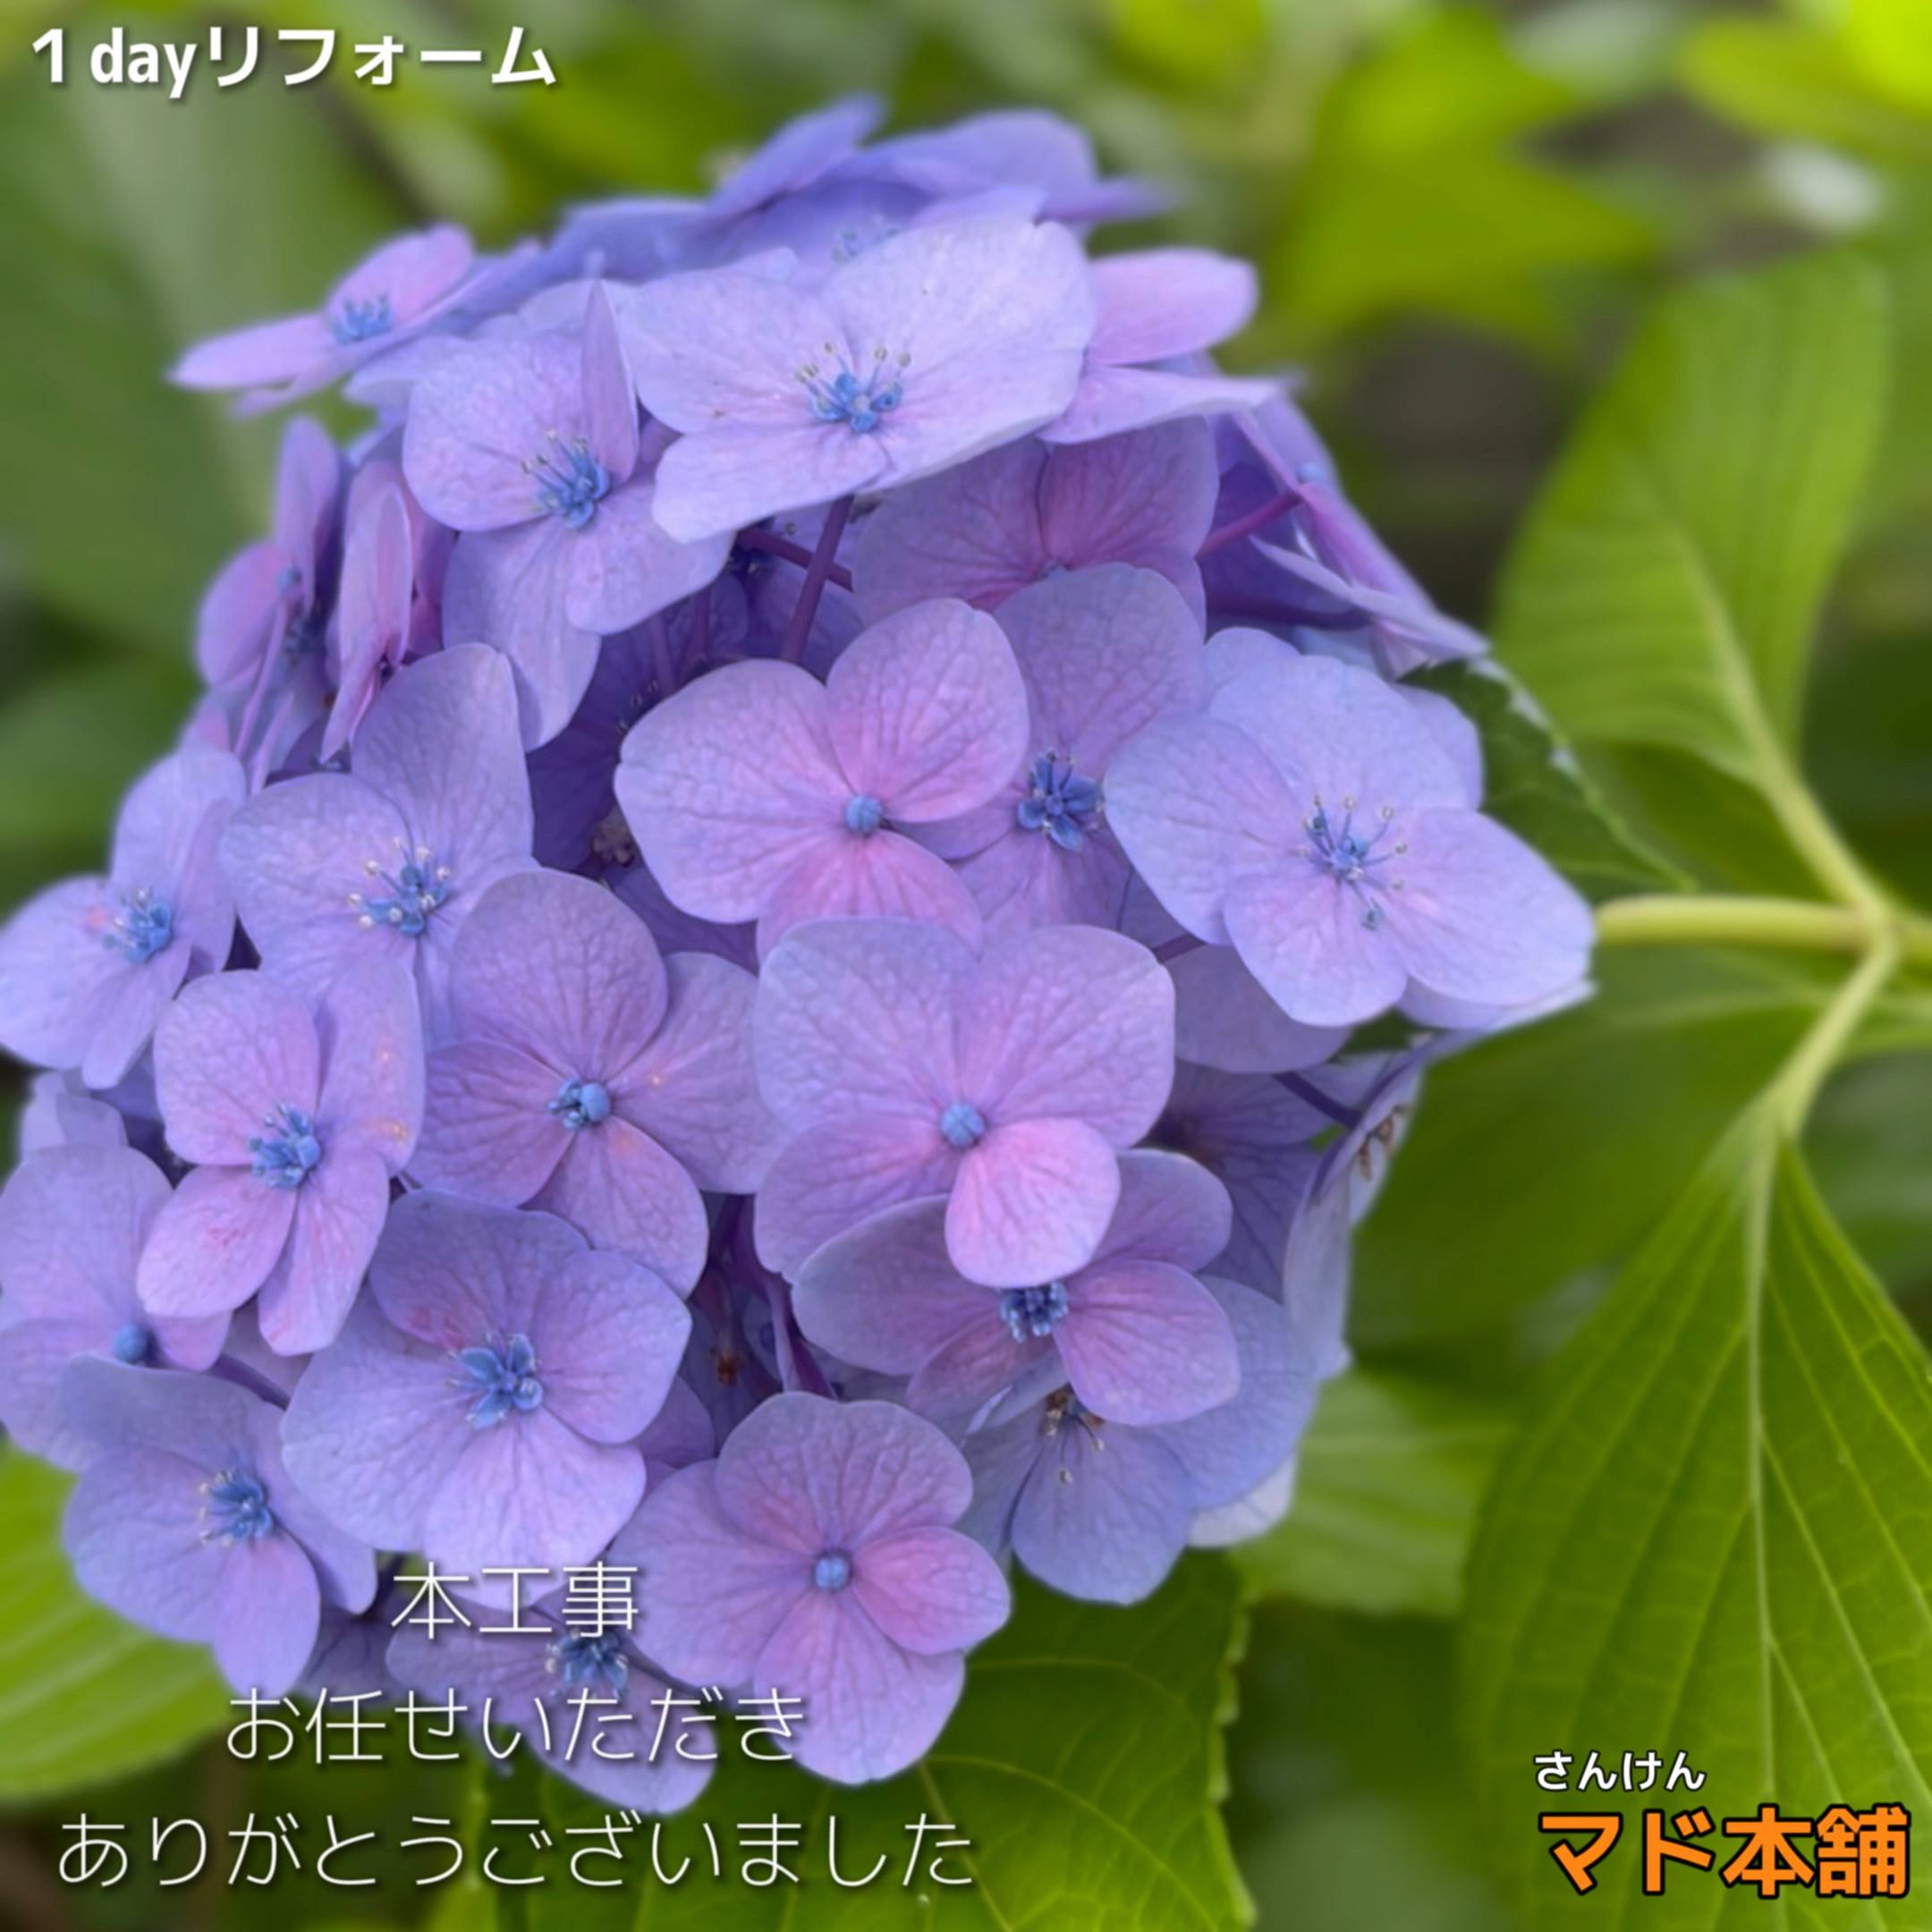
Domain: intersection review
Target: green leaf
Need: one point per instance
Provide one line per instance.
(83, 1696)
(1667, 589)
(1713, 1536)
(1441, 101)
(1551, 1151)
(127, 229)
(1791, 79)
(1534, 786)
(1351, 1809)
(1085, 1763)
(1386, 1483)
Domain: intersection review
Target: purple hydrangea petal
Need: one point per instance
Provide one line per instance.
(1104, 1509)
(693, 1087)
(1481, 916)
(1031, 1201)
(617, 1335)
(1159, 303)
(1144, 1343)
(1197, 803)
(1311, 944)
(1171, 1209)
(880, 875)
(931, 1589)
(236, 1049)
(59, 972)
(885, 1295)
(625, 568)
(373, 611)
(509, 587)
(558, 966)
(339, 1213)
(870, 1707)
(616, 1184)
(859, 1012)
(730, 784)
(372, 1431)
(488, 1131)
(925, 711)
(1115, 401)
(214, 1243)
(836, 1174)
(1069, 1022)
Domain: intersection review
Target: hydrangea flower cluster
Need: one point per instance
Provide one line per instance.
(752, 967)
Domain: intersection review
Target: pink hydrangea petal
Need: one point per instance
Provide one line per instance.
(870, 1707)
(860, 1013)
(214, 1243)
(1480, 917)
(1069, 1022)
(729, 784)
(609, 1336)
(339, 1213)
(927, 712)
(1023, 880)
(234, 1049)
(931, 1590)
(1032, 1202)
(693, 1087)
(1145, 1342)
(625, 1192)
(710, 1596)
(486, 1130)
(1196, 804)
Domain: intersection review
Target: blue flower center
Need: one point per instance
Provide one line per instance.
(862, 406)
(591, 1663)
(962, 1124)
(571, 482)
(1059, 802)
(236, 1509)
(143, 927)
(288, 1152)
(414, 891)
(864, 814)
(1032, 1314)
(1352, 857)
(500, 1377)
(132, 1342)
(833, 1570)
(362, 321)
(580, 1102)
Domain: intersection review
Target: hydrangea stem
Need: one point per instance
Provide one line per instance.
(1689, 919)
(817, 571)
(1257, 518)
(770, 544)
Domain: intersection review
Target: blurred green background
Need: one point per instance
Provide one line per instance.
(1459, 212)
